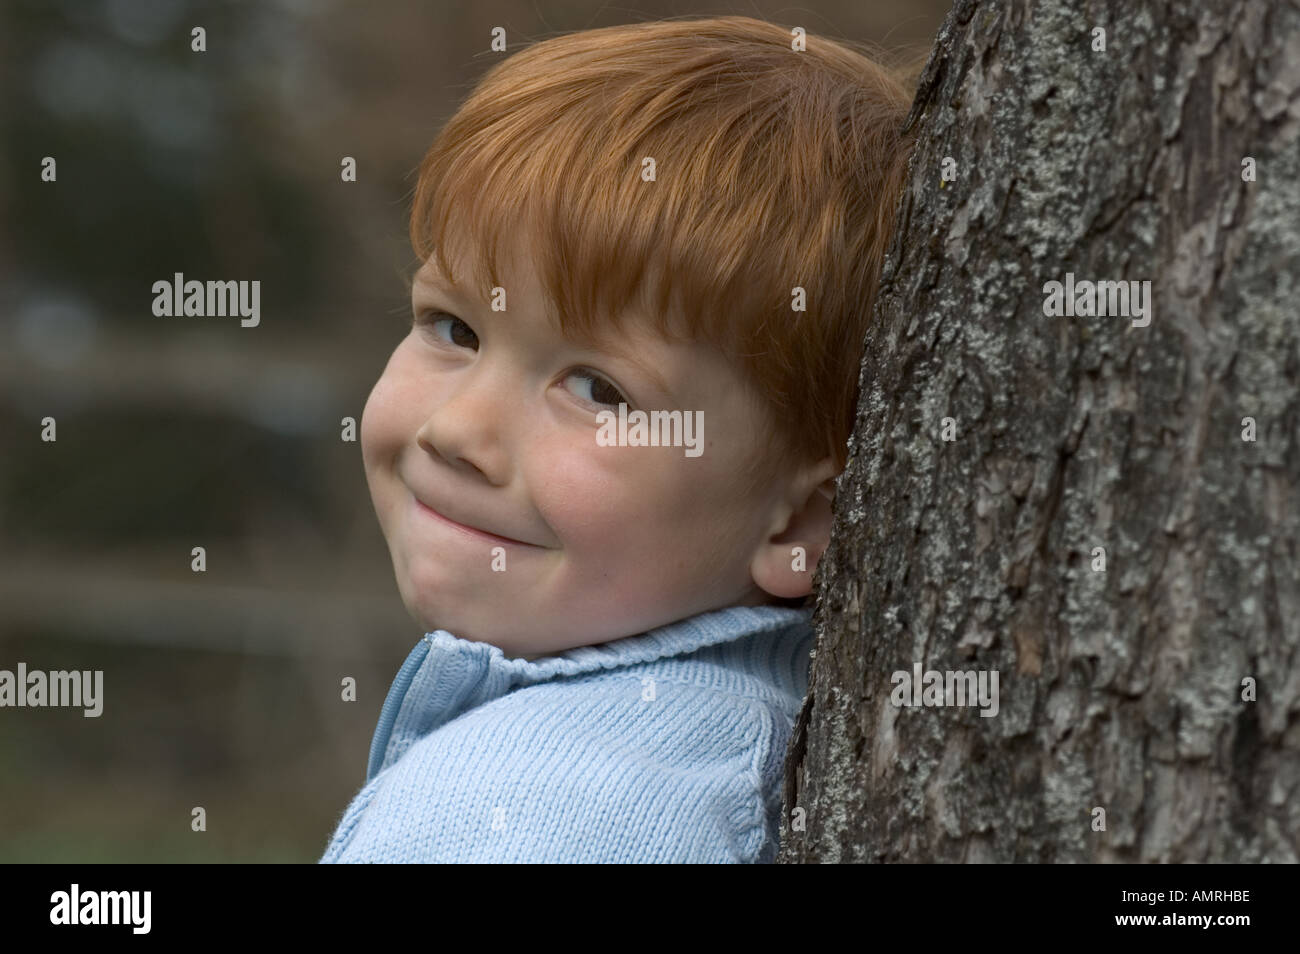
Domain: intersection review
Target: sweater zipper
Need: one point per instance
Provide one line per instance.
(393, 704)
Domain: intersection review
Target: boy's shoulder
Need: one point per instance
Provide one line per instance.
(589, 770)
(677, 716)
(661, 758)
(727, 695)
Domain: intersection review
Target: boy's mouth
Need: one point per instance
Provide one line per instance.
(428, 511)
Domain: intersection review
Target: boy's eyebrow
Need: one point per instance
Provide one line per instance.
(433, 281)
(626, 354)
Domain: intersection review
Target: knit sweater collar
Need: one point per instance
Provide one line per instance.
(445, 675)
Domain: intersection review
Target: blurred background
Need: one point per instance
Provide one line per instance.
(222, 689)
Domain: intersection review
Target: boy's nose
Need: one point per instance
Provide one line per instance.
(472, 424)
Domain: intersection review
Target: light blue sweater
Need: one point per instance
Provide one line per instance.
(666, 746)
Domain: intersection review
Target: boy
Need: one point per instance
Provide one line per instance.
(683, 216)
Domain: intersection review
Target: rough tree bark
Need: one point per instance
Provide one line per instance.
(1120, 689)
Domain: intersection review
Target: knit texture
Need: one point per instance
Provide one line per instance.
(666, 746)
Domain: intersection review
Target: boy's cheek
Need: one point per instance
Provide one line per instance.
(596, 525)
(376, 418)
(628, 524)
(389, 419)
(578, 492)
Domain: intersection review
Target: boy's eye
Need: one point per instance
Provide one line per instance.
(461, 334)
(595, 389)
(591, 386)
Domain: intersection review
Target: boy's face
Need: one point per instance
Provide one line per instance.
(490, 420)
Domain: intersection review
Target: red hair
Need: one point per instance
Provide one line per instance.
(774, 169)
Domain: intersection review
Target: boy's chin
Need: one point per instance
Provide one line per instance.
(422, 618)
(507, 642)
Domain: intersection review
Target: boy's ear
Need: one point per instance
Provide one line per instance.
(801, 531)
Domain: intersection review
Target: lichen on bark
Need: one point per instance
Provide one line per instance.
(1120, 689)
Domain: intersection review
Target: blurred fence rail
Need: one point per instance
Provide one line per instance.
(110, 605)
(165, 443)
(288, 390)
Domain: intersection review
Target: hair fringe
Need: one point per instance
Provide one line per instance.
(773, 169)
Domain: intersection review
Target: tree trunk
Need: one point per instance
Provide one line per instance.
(1094, 523)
